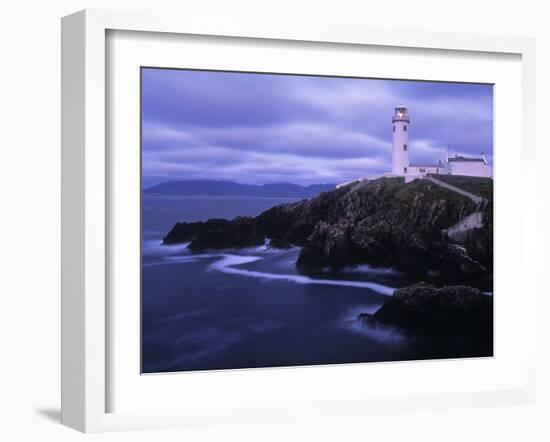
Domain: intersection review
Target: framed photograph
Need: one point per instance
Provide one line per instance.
(264, 223)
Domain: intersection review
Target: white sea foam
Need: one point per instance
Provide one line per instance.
(366, 269)
(181, 316)
(266, 249)
(154, 247)
(178, 260)
(381, 333)
(228, 262)
(179, 254)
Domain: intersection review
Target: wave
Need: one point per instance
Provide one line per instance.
(178, 260)
(228, 262)
(381, 333)
(155, 247)
(368, 270)
(267, 249)
(179, 254)
(179, 316)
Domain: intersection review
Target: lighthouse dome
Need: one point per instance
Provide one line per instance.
(401, 114)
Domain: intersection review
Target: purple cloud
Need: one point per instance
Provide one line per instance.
(261, 128)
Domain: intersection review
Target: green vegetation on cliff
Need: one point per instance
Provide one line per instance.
(477, 185)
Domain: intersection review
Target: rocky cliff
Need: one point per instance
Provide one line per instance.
(458, 313)
(383, 222)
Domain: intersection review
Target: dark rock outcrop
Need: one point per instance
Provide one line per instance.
(383, 222)
(240, 232)
(217, 234)
(457, 312)
(186, 232)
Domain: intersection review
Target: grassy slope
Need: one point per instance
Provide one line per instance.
(476, 185)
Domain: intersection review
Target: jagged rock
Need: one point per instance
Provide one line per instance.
(341, 244)
(457, 311)
(217, 234)
(327, 245)
(456, 263)
(387, 223)
(185, 232)
(240, 232)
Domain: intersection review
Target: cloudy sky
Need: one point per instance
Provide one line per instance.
(260, 128)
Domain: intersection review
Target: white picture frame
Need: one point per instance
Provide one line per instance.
(86, 204)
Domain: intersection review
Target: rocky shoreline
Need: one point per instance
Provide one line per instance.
(419, 228)
(459, 313)
(384, 223)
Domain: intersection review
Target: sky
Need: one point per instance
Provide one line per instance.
(265, 128)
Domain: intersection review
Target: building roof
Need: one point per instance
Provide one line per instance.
(460, 159)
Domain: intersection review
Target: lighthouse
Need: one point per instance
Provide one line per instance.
(401, 167)
(400, 153)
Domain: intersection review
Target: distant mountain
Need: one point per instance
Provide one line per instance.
(226, 188)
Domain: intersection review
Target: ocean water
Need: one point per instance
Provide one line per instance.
(251, 307)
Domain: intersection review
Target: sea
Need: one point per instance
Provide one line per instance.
(251, 308)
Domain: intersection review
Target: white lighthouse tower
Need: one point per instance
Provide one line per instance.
(400, 153)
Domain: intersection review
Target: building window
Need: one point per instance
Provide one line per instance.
(422, 170)
(405, 127)
(404, 170)
(394, 128)
(404, 147)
